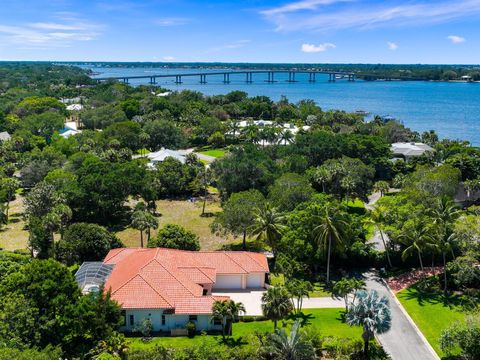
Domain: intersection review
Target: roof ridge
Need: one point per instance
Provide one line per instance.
(163, 297)
(231, 258)
(180, 282)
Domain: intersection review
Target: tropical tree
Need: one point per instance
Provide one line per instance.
(298, 290)
(381, 187)
(378, 219)
(64, 214)
(330, 231)
(8, 186)
(323, 176)
(348, 184)
(226, 311)
(286, 137)
(268, 226)
(276, 304)
(293, 346)
(372, 312)
(471, 186)
(417, 238)
(143, 220)
(445, 242)
(344, 287)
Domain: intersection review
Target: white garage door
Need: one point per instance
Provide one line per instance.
(228, 282)
(255, 280)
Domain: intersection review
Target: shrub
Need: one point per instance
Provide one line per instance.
(191, 328)
(175, 237)
(465, 336)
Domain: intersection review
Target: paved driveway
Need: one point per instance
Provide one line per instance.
(252, 300)
(403, 341)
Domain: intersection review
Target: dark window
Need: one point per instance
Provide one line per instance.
(124, 318)
(132, 320)
(217, 321)
(163, 319)
(192, 318)
(205, 292)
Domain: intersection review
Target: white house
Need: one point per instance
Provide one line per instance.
(70, 129)
(162, 154)
(408, 150)
(172, 287)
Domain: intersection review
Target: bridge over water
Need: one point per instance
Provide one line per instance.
(248, 76)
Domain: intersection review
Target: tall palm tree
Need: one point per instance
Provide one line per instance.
(445, 211)
(64, 214)
(348, 184)
(382, 187)
(286, 137)
(143, 220)
(293, 346)
(417, 238)
(330, 231)
(377, 218)
(268, 226)
(276, 304)
(372, 312)
(226, 311)
(323, 176)
(445, 242)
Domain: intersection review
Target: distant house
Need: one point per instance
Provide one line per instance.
(70, 129)
(467, 78)
(408, 150)
(172, 287)
(4, 136)
(74, 107)
(162, 154)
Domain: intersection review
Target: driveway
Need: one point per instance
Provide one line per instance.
(252, 300)
(404, 341)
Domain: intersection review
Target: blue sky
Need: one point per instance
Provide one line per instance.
(342, 31)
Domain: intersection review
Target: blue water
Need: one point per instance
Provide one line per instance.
(451, 109)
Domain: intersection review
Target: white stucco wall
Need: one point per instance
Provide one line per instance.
(172, 321)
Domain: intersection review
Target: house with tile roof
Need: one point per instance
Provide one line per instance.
(408, 150)
(172, 287)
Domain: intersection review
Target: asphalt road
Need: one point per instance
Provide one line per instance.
(403, 341)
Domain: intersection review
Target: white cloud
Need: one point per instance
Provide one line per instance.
(172, 21)
(392, 46)
(168, 58)
(456, 39)
(318, 16)
(311, 48)
(301, 5)
(43, 35)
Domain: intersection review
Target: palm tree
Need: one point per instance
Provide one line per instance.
(295, 346)
(381, 187)
(143, 220)
(471, 186)
(348, 184)
(372, 313)
(417, 238)
(445, 211)
(251, 133)
(377, 218)
(323, 176)
(64, 214)
(286, 137)
(445, 243)
(276, 304)
(226, 311)
(330, 232)
(268, 226)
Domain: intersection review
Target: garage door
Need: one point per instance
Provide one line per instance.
(228, 282)
(255, 280)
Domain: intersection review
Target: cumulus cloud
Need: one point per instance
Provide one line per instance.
(321, 16)
(168, 58)
(456, 39)
(392, 46)
(311, 48)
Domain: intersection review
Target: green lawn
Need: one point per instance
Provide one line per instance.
(319, 289)
(217, 153)
(431, 312)
(327, 321)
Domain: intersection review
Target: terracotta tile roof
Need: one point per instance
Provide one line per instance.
(171, 279)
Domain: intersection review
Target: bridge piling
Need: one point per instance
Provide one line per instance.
(203, 79)
(226, 78)
(291, 77)
(311, 77)
(153, 80)
(178, 79)
(249, 78)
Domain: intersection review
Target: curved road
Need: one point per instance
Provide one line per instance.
(404, 341)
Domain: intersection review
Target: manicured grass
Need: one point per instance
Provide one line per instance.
(217, 153)
(186, 214)
(319, 289)
(431, 312)
(327, 321)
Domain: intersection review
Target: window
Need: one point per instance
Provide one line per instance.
(163, 319)
(132, 320)
(192, 318)
(124, 318)
(205, 292)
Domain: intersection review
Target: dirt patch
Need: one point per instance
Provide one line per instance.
(398, 283)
